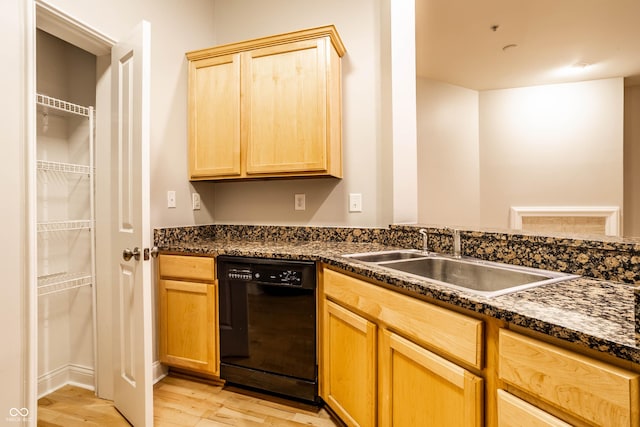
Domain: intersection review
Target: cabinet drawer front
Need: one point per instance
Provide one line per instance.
(187, 267)
(451, 333)
(594, 391)
(514, 412)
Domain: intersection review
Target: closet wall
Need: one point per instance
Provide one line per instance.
(65, 304)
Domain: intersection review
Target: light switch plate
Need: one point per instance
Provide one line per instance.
(171, 199)
(195, 201)
(299, 202)
(355, 202)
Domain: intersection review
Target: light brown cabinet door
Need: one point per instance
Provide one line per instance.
(420, 388)
(214, 117)
(596, 392)
(514, 412)
(285, 108)
(188, 325)
(349, 365)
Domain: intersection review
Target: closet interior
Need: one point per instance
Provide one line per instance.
(66, 90)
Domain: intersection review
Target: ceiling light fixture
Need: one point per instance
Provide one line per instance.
(582, 65)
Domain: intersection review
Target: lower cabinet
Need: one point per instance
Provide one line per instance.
(188, 313)
(375, 367)
(515, 412)
(420, 388)
(349, 361)
(576, 386)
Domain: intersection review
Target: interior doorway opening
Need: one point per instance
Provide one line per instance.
(72, 338)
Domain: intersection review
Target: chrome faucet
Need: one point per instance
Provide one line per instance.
(455, 233)
(425, 239)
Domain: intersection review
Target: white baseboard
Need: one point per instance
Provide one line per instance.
(77, 375)
(82, 376)
(159, 371)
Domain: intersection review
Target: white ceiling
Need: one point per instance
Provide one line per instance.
(456, 44)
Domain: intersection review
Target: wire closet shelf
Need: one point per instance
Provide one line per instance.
(45, 165)
(64, 106)
(59, 282)
(63, 281)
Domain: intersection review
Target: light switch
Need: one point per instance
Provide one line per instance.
(355, 202)
(171, 199)
(195, 201)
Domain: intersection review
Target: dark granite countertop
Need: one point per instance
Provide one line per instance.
(594, 313)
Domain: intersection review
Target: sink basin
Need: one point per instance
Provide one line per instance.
(484, 278)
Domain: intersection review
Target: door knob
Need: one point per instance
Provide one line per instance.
(127, 254)
(153, 252)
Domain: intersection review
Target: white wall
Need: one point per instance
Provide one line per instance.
(448, 154)
(403, 111)
(554, 145)
(631, 213)
(14, 257)
(359, 24)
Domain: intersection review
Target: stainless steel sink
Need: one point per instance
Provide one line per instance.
(484, 278)
(384, 256)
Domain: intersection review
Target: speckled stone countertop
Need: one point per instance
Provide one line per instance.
(595, 313)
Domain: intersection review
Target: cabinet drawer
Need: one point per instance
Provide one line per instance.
(514, 412)
(187, 267)
(451, 333)
(594, 391)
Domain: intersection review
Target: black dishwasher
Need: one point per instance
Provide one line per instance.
(267, 316)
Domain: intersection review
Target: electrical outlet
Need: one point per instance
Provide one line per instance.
(299, 202)
(171, 199)
(355, 202)
(195, 201)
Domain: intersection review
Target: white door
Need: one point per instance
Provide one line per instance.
(132, 328)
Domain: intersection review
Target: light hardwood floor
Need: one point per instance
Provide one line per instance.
(180, 402)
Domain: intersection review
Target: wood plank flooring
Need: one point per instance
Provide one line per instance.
(181, 402)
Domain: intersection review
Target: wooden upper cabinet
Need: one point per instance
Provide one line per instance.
(270, 107)
(214, 117)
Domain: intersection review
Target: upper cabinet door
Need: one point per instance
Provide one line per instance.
(265, 108)
(214, 117)
(285, 108)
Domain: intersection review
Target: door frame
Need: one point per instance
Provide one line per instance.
(42, 15)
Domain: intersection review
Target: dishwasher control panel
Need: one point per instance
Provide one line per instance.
(266, 271)
(264, 274)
